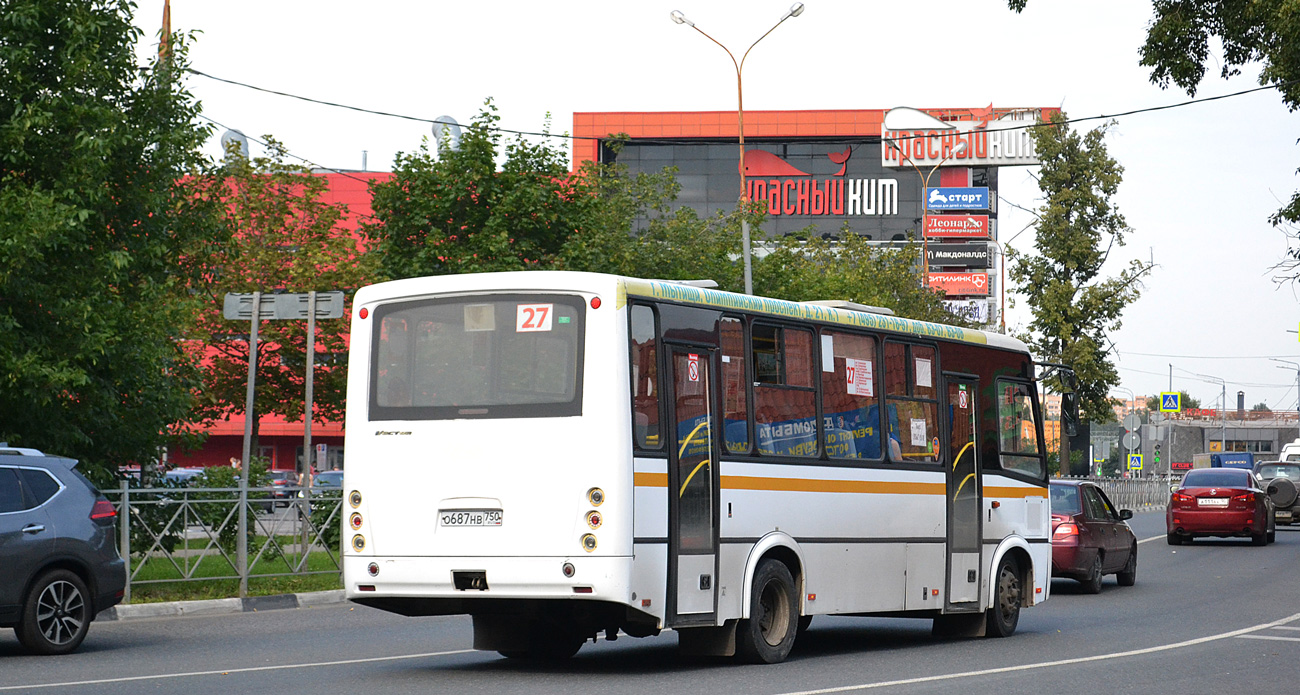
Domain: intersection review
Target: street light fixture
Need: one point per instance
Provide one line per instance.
(1223, 428)
(956, 150)
(1297, 380)
(795, 10)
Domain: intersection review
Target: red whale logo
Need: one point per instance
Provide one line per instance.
(761, 164)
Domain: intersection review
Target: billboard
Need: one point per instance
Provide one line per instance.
(973, 255)
(976, 310)
(958, 226)
(974, 198)
(961, 283)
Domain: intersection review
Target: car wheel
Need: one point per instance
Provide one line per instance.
(767, 636)
(55, 615)
(1174, 539)
(1004, 614)
(1092, 583)
(1128, 575)
(1271, 536)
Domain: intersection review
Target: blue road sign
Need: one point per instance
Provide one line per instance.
(1135, 462)
(1171, 402)
(957, 198)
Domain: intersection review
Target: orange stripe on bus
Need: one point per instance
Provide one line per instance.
(741, 482)
(1015, 492)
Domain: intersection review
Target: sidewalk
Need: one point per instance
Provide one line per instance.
(252, 604)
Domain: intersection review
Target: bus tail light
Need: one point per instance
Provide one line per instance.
(569, 570)
(596, 496)
(373, 569)
(589, 542)
(358, 542)
(354, 498)
(355, 520)
(595, 302)
(593, 519)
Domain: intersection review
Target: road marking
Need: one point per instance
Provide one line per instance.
(1286, 628)
(1280, 639)
(1148, 540)
(1049, 664)
(229, 671)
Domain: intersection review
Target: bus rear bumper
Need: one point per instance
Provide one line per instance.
(467, 580)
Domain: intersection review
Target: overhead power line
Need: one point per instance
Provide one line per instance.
(567, 136)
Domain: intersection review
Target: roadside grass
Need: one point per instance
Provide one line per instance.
(213, 576)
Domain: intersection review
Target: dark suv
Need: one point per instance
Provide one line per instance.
(1280, 479)
(58, 551)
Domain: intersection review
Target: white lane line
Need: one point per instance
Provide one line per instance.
(1286, 628)
(1148, 540)
(229, 671)
(1279, 639)
(1048, 664)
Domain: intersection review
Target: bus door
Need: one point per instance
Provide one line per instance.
(692, 488)
(965, 532)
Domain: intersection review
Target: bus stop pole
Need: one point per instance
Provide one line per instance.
(305, 465)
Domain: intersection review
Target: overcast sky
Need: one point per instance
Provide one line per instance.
(1200, 181)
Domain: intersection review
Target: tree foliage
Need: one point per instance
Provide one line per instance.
(93, 223)
(455, 212)
(284, 236)
(1074, 306)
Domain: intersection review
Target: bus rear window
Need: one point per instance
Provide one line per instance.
(497, 356)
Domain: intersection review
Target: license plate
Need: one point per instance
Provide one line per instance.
(1284, 513)
(470, 517)
(1212, 501)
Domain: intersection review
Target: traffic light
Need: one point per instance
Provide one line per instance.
(1157, 453)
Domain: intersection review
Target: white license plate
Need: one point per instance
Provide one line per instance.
(470, 517)
(1284, 513)
(1212, 501)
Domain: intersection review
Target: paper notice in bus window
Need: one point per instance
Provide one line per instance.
(532, 318)
(923, 378)
(858, 376)
(480, 317)
(828, 353)
(918, 432)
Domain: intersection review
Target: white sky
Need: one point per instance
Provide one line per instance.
(1199, 184)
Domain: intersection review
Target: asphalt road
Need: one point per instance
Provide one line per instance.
(1213, 617)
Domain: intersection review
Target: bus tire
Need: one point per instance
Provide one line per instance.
(1004, 614)
(767, 636)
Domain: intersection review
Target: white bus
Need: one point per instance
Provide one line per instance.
(561, 454)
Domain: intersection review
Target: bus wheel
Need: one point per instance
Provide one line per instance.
(1004, 614)
(767, 636)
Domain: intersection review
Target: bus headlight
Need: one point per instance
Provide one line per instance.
(588, 542)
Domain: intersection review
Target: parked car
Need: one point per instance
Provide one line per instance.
(328, 479)
(282, 481)
(1090, 539)
(1280, 480)
(1223, 502)
(58, 551)
(181, 477)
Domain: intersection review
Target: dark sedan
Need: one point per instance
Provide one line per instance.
(57, 549)
(1090, 539)
(1224, 502)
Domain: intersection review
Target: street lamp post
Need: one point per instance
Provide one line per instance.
(925, 200)
(795, 10)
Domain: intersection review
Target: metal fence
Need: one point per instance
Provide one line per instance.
(1133, 493)
(192, 534)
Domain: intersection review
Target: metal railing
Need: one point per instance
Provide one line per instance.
(192, 534)
(1132, 493)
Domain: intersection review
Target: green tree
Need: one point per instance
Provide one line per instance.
(284, 236)
(1073, 305)
(1187, 401)
(93, 223)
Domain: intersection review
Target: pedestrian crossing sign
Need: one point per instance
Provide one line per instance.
(1135, 462)
(1171, 402)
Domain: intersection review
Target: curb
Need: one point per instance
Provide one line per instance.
(221, 606)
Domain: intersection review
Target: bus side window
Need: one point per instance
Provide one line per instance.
(913, 413)
(785, 404)
(735, 407)
(850, 404)
(645, 379)
(1018, 430)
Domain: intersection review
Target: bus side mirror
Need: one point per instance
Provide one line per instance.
(1070, 413)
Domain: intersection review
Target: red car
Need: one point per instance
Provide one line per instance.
(1223, 502)
(1090, 538)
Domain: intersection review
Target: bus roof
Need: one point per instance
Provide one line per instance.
(654, 289)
